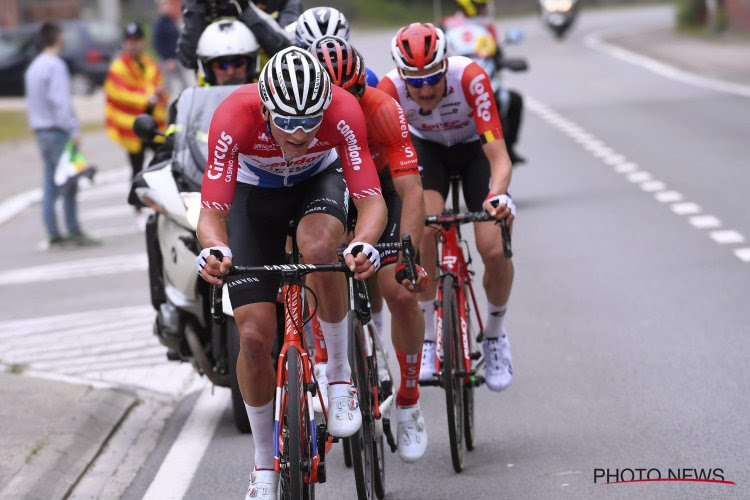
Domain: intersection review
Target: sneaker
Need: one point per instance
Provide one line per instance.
(56, 241)
(412, 434)
(344, 417)
(427, 369)
(84, 240)
(498, 372)
(320, 376)
(264, 484)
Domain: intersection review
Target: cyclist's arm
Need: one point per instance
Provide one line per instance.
(289, 12)
(387, 86)
(409, 189)
(477, 90)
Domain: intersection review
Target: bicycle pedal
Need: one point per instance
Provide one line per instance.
(321, 471)
(475, 355)
(312, 388)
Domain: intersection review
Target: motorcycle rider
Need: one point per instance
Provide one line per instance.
(197, 14)
(393, 153)
(455, 129)
(317, 22)
(477, 12)
(286, 132)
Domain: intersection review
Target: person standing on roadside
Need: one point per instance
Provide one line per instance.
(53, 120)
(134, 85)
(165, 44)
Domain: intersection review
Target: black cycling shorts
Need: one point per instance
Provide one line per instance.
(437, 163)
(259, 224)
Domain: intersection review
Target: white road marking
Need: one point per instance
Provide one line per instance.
(82, 268)
(176, 472)
(641, 176)
(727, 237)
(644, 179)
(115, 346)
(668, 197)
(686, 208)
(595, 42)
(743, 254)
(653, 186)
(704, 221)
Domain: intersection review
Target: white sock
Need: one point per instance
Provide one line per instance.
(495, 316)
(428, 309)
(334, 334)
(377, 318)
(261, 423)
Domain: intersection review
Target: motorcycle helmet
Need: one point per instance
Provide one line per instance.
(293, 83)
(318, 22)
(472, 8)
(418, 47)
(344, 64)
(222, 39)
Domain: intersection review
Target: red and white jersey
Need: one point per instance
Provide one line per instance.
(242, 149)
(466, 113)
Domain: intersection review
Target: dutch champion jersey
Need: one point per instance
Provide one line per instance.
(241, 149)
(388, 134)
(467, 111)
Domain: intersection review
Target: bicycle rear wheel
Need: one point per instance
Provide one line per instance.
(452, 384)
(469, 433)
(295, 433)
(362, 443)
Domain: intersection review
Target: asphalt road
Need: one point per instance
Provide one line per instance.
(629, 313)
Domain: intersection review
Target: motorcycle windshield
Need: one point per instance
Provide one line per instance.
(195, 108)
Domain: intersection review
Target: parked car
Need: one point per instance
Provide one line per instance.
(88, 49)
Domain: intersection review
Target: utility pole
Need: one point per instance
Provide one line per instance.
(109, 12)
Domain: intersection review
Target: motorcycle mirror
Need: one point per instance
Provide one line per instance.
(145, 127)
(513, 36)
(515, 64)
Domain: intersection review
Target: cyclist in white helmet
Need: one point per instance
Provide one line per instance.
(293, 134)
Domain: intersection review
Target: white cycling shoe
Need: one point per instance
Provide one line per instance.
(427, 368)
(412, 434)
(320, 376)
(498, 372)
(344, 417)
(264, 485)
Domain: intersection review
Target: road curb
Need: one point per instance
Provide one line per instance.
(72, 446)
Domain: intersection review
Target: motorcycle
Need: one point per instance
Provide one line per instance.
(182, 299)
(558, 15)
(475, 41)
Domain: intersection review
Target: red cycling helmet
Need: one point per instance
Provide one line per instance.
(418, 47)
(342, 62)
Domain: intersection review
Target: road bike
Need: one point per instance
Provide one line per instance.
(300, 444)
(458, 359)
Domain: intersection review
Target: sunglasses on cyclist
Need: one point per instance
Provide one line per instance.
(290, 124)
(429, 80)
(223, 63)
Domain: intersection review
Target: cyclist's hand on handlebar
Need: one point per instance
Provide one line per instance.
(362, 259)
(500, 206)
(402, 278)
(210, 268)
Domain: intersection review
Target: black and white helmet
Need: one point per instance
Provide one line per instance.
(318, 22)
(293, 83)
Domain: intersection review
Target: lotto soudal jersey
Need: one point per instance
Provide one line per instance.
(241, 149)
(388, 134)
(466, 113)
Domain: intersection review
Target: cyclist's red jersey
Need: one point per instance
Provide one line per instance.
(242, 149)
(467, 110)
(388, 134)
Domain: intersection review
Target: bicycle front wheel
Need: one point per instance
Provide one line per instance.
(296, 439)
(362, 443)
(452, 384)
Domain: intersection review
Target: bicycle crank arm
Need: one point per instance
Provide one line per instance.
(385, 406)
(434, 382)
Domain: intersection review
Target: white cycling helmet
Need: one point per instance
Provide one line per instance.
(318, 22)
(293, 83)
(226, 38)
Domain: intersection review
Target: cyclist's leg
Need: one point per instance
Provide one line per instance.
(498, 273)
(407, 333)
(435, 183)
(257, 211)
(319, 233)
